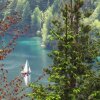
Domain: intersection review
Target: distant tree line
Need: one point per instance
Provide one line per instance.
(39, 13)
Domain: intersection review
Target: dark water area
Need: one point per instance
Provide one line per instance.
(27, 48)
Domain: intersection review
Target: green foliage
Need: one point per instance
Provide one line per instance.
(36, 20)
(71, 76)
(47, 18)
(43, 93)
(37, 90)
(91, 87)
(94, 19)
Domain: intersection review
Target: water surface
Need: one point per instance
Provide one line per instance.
(30, 49)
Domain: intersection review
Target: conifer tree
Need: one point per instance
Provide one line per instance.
(46, 24)
(20, 5)
(73, 61)
(13, 6)
(36, 20)
(26, 13)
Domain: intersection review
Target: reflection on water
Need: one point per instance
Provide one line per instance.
(27, 48)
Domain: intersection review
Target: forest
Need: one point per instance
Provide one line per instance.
(60, 42)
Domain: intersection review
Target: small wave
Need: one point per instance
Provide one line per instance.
(10, 68)
(23, 55)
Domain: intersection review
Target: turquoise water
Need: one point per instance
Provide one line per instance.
(30, 49)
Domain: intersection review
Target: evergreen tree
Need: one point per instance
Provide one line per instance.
(56, 6)
(36, 20)
(20, 5)
(13, 5)
(94, 19)
(34, 3)
(46, 24)
(43, 4)
(26, 13)
(73, 61)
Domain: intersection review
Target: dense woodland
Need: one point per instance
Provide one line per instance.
(71, 28)
(38, 14)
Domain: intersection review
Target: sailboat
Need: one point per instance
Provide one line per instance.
(26, 73)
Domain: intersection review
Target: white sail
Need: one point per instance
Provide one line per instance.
(26, 73)
(26, 66)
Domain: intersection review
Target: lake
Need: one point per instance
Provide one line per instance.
(27, 48)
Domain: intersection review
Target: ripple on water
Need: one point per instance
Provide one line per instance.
(28, 48)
